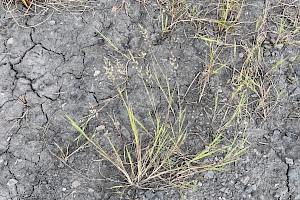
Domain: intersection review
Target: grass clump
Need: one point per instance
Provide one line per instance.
(154, 158)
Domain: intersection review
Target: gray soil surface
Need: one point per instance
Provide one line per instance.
(60, 67)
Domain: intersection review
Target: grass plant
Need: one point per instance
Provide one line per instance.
(154, 159)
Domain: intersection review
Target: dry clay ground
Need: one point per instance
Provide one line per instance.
(63, 66)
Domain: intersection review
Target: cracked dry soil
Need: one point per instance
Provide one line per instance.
(57, 68)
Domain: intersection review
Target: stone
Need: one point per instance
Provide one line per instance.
(91, 190)
(289, 161)
(65, 183)
(10, 41)
(249, 189)
(287, 139)
(11, 182)
(179, 39)
(293, 175)
(61, 165)
(125, 133)
(52, 22)
(96, 73)
(100, 128)
(200, 184)
(76, 184)
(32, 178)
(209, 175)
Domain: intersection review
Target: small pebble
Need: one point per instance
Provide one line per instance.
(51, 22)
(60, 165)
(20, 75)
(11, 182)
(65, 183)
(287, 139)
(10, 41)
(293, 175)
(100, 128)
(125, 133)
(249, 189)
(32, 178)
(179, 39)
(76, 184)
(209, 175)
(289, 161)
(96, 73)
